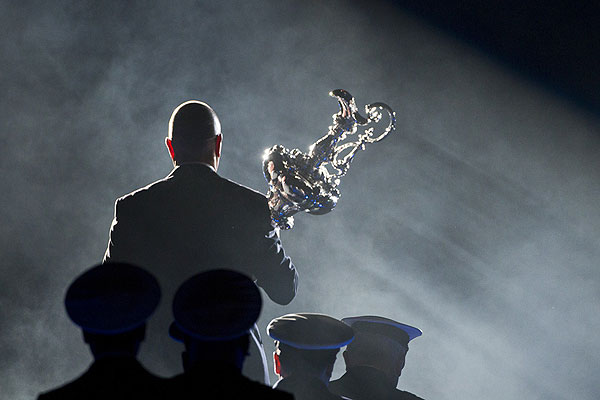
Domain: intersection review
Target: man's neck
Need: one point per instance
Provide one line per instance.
(372, 373)
(303, 376)
(197, 163)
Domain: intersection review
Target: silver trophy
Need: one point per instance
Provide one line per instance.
(309, 182)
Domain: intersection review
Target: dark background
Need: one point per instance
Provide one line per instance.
(477, 220)
(553, 42)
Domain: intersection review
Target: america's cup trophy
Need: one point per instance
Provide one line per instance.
(309, 182)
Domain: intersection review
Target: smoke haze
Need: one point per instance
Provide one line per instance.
(477, 220)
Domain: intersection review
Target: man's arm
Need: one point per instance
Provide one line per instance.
(108, 254)
(121, 237)
(274, 271)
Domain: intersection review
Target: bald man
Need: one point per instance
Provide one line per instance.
(194, 220)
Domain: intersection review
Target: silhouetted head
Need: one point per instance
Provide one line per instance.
(214, 312)
(111, 303)
(194, 134)
(290, 361)
(380, 343)
(125, 344)
(306, 344)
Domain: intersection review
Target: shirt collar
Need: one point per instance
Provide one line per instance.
(198, 163)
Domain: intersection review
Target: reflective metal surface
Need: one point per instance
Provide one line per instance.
(309, 181)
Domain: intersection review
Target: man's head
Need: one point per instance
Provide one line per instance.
(214, 312)
(194, 134)
(380, 343)
(290, 361)
(111, 303)
(125, 344)
(307, 344)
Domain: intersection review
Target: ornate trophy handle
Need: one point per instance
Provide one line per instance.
(308, 182)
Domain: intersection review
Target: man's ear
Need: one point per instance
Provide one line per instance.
(329, 370)
(399, 364)
(218, 143)
(169, 145)
(277, 364)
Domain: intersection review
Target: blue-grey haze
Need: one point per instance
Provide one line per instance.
(477, 220)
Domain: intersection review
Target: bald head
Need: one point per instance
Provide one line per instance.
(193, 121)
(194, 134)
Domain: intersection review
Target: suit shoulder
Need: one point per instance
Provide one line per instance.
(58, 393)
(196, 385)
(142, 193)
(244, 191)
(266, 392)
(67, 391)
(403, 395)
(335, 385)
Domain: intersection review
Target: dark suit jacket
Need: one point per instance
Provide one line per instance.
(305, 388)
(192, 221)
(112, 378)
(220, 382)
(366, 383)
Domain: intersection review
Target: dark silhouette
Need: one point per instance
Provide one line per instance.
(214, 312)
(111, 304)
(193, 220)
(375, 359)
(306, 346)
